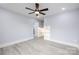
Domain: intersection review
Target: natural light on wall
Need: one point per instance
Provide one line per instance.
(44, 32)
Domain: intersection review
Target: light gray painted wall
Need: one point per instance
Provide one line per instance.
(64, 27)
(14, 27)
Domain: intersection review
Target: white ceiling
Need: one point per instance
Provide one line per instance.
(53, 7)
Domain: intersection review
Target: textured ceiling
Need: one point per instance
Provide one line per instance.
(53, 7)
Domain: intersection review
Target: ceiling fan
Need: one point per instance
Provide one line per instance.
(36, 10)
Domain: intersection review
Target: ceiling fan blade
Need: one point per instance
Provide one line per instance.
(37, 5)
(29, 9)
(31, 13)
(42, 13)
(46, 9)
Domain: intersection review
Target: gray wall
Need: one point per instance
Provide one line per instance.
(64, 27)
(14, 27)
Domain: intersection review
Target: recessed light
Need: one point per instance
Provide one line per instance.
(63, 8)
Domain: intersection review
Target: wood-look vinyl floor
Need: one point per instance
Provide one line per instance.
(39, 47)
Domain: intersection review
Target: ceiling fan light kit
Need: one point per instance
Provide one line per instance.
(36, 12)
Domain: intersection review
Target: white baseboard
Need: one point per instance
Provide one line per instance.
(64, 43)
(15, 42)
